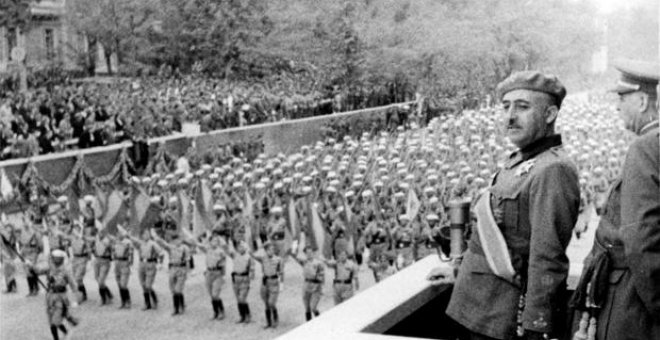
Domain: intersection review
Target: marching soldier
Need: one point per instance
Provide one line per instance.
(243, 273)
(314, 276)
(376, 239)
(122, 255)
(402, 235)
(8, 250)
(57, 301)
(31, 245)
(272, 267)
(623, 261)
(515, 288)
(150, 255)
(277, 231)
(424, 242)
(102, 258)
(346, 280)
(179, 259)
(81, 252)
(216, 259)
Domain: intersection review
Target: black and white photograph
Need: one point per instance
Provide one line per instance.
(330, 169)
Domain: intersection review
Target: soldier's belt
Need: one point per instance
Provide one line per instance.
(404, 244)
(178, 265)
(277, 237)
(379, 241)
(346, 282)
(313, 281)
(58, 289)
(271, 277)
(81, 255)
(215, 269)
(239, 274)
(121, 258)
(103, 258)
(150, 260)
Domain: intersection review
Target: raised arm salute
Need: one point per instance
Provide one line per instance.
(150, 254)
(271, 265)
(314, 276)
(216, 261)
(179, 258)
(241, 276)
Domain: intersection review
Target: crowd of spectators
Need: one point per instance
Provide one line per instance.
(98, 113)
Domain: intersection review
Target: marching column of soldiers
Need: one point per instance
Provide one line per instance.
(378, 201)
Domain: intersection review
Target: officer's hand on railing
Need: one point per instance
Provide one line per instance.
(441, 275)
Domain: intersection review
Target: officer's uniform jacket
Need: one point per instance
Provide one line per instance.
(538, 196)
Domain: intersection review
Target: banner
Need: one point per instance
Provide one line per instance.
(318, 236)
(115, 211)
(412, 205)
(185, 213)
(6, 189)
(143, 213)
(248, 215)
(202, 209)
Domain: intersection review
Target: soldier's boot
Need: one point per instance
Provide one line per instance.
(175, 303)
(276, 318)
(11, 286)
(241, 312)
(154, 298)
(308, 316)
(316, 313)
(122, 297)
(63, 330)
(128, 298)
(214, 303)
(221, 310)
(54, 332)
(83, 292)
(102, 295)
(30, 284)
(182, 303)
(147, 301)
(269, 321)
(108, 295)
(246, 310)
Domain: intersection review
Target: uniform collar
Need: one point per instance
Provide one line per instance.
(533, 149)
(648, 127)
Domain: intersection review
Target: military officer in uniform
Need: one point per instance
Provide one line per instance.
(57, 301)
(346, 280)
(519, 289)
(314, 276)
(242, 274)
(179, 259)
(150, 254)
(8, 251)
(619, 291)
(31, 245)
(102, 258)
(216, 260)
(81, 253)
(271, 265)
(122, 255)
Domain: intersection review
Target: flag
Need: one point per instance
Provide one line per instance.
(249, 219)
(318, 236)
(201, 209)
(292, 218)
(412, 206)
(185, 213)
(6, 189)
(115, 211)
(350, 227)
(143, 212)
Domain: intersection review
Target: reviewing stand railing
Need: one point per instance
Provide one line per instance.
(403, 305)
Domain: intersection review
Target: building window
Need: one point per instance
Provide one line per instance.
(11, 40)
(50, 43)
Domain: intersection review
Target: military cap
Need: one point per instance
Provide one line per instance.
(331, 189)
(432, 217)
(135, 179)
(378, 184)
(433, 200)
(404, 217)
(217, 186)
(637, 75)
(58, 253)
(533, 81)
(199, 172)
(278, 185)
(260, 185)
(287, 180)
(154, 199)
(62, 199)
(399, 194)
(169, 177)
(306, 189)
(146, 180)
(88, 198)
(237, 184)
(276, 210)
(367, 193)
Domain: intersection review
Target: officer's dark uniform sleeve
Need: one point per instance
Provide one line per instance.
(640, 218)
(554, 200)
